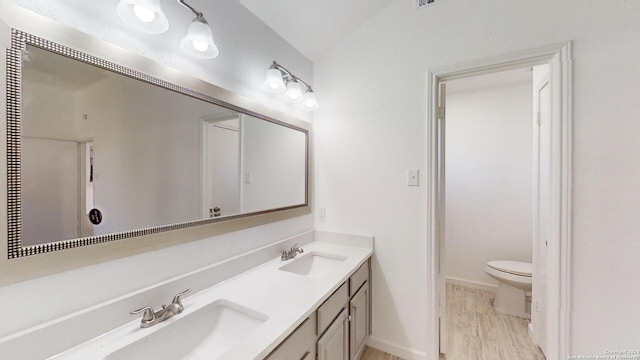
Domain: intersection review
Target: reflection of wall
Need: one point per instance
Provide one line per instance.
(272, 156)
(49, 164)
(146, 153)
(49, 190)
(488, 179)
(48, 112)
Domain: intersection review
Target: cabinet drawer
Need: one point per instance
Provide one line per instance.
(358, 278)
(299, 345)
(332, 307)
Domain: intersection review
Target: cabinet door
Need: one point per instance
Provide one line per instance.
(334, 344)
(359, 329)
(301, 344)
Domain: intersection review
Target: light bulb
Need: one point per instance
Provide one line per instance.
(309, 102)
(143, 13)
(198, 41)
(273, 82)
(294, 92)
(200, 46)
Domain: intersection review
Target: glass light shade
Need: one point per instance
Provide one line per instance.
(294, 92)
(309, 101)
(199, 40)
(273, 82)
(143, 15)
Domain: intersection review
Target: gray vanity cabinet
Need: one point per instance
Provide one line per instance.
(359, 328)
(359, 311)
(299, 345)
(348, 311)
(334, 344)
(341, 325)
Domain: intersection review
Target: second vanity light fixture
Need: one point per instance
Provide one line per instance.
(147, 16)
(280, 80)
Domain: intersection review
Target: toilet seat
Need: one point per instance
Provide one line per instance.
(512, 267)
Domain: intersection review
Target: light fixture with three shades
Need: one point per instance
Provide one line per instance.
(281, 80)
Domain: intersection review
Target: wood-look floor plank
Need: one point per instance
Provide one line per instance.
(477, 331)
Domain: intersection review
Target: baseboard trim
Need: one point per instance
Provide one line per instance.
(472, 284)
(396, 350)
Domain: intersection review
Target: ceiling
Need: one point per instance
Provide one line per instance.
(313, 27)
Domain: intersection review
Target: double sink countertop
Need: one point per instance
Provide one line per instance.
(244, 317)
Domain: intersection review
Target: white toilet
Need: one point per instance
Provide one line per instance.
(515, 282)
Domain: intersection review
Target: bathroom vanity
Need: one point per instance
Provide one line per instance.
(316, 303)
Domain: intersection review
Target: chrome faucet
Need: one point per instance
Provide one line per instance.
(150, 318)
(291, 253)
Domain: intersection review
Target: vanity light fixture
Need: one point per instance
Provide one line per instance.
(143, 15)
(280, 80)
(147, 16)
(199, 40)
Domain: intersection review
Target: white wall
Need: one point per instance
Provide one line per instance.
(372, 128)
(275, 157)
(246, 52)
(49, 164)
(488, 177)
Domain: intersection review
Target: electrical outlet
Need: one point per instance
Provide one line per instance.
(322, 215)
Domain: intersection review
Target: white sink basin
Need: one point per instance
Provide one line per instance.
(313, 264)
(204, 333)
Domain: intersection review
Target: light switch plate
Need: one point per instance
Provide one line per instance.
(413, 177)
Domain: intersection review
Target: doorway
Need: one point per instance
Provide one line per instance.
(220, 183)
(557, 299)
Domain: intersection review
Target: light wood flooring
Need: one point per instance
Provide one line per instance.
(477, 331)
(375, 354)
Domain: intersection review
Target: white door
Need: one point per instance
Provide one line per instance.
(440, 223)
(221, 170)
(541, 201)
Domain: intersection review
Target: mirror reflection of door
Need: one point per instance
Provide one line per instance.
(221, 155)
(86, 187)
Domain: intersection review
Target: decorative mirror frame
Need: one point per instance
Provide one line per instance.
(19, 42)
(19, 27)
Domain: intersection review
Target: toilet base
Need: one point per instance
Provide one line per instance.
(511, 301)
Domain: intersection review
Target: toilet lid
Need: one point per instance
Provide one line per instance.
(512, 267)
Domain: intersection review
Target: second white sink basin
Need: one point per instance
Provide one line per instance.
(205, 333)
(313, 264)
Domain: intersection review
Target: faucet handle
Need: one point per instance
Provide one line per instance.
(176, 299)
(148, 315)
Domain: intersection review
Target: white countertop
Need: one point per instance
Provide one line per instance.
(286, 298)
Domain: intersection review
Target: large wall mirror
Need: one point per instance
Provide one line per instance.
(98, 152)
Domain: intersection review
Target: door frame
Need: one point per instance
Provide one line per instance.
(205, 122)
(559, 57)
